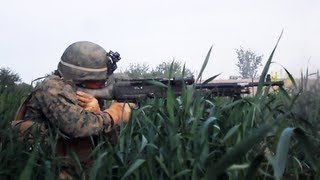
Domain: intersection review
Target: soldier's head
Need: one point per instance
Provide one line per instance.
(84, 62)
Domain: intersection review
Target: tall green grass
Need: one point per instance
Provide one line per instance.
(270, 135)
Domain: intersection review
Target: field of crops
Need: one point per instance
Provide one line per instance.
(271, 135)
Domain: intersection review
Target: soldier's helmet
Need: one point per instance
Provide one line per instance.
(82, 61)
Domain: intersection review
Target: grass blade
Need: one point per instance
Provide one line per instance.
(280, 160)
(239, 151)
(162, 165)
(231, 132)
(144, 142)
(170, 104)
(133, 167)
(307, 146)
(27, 171)
(254, 166)
(204, 64)
(291, 78)
(182, 173)
(98, 163)
(266, 68)
(211, 78)
(171, 69)
(306, 79)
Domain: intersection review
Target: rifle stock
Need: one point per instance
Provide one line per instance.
(134, 90)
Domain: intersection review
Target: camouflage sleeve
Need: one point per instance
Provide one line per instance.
(60, 106)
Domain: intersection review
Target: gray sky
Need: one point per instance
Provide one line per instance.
(34, 34)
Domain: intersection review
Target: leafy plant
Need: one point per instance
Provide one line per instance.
(273, 134)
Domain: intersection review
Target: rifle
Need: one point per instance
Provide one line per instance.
(134, 90)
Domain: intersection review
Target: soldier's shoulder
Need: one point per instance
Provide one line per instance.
(52, 90)
(50, 81)
(55, 85)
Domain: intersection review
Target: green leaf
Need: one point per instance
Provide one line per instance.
(211, 78)
(144, 142)
(183, 70)
(231, 132)
(206, 124)
(97, 148)
(309, 148)
(204, 64)
(280, 160)
(182, 173)
(238, 167)
(162, 165)
(232, 104)
(170, 104)
(284, 92)
(291, 78)
(171, 69)
(239, 150)
(254, 166)
(133, 167)
(27, 171)
(76, 159)
(266, 68)
(97, 165)
(306, 78)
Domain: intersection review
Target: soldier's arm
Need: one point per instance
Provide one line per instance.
(60, 106)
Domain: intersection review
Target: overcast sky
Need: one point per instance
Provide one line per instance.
(34, 34)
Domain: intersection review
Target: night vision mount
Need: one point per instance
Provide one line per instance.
(112, 59)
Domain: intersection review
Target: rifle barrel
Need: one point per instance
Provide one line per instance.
(237, 84)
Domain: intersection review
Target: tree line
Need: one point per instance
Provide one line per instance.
(248, 62)
(12, 93)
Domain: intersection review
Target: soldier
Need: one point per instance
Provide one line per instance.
(56, 103)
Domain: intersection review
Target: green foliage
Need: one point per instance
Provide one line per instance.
(160, 71)
(11, 94)
(138, 71)
(163, 70)
(8, 78)
(271, 135)
(248, 63)
(265, 69)
(204, 65)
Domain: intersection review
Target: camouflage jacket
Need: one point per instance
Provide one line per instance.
(54, 101)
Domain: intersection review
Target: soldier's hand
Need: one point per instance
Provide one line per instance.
(120, 111)
(88, 102)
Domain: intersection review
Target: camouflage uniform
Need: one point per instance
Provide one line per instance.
(54, 104)
(54, 101)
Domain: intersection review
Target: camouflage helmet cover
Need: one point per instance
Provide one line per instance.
(83, 60)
